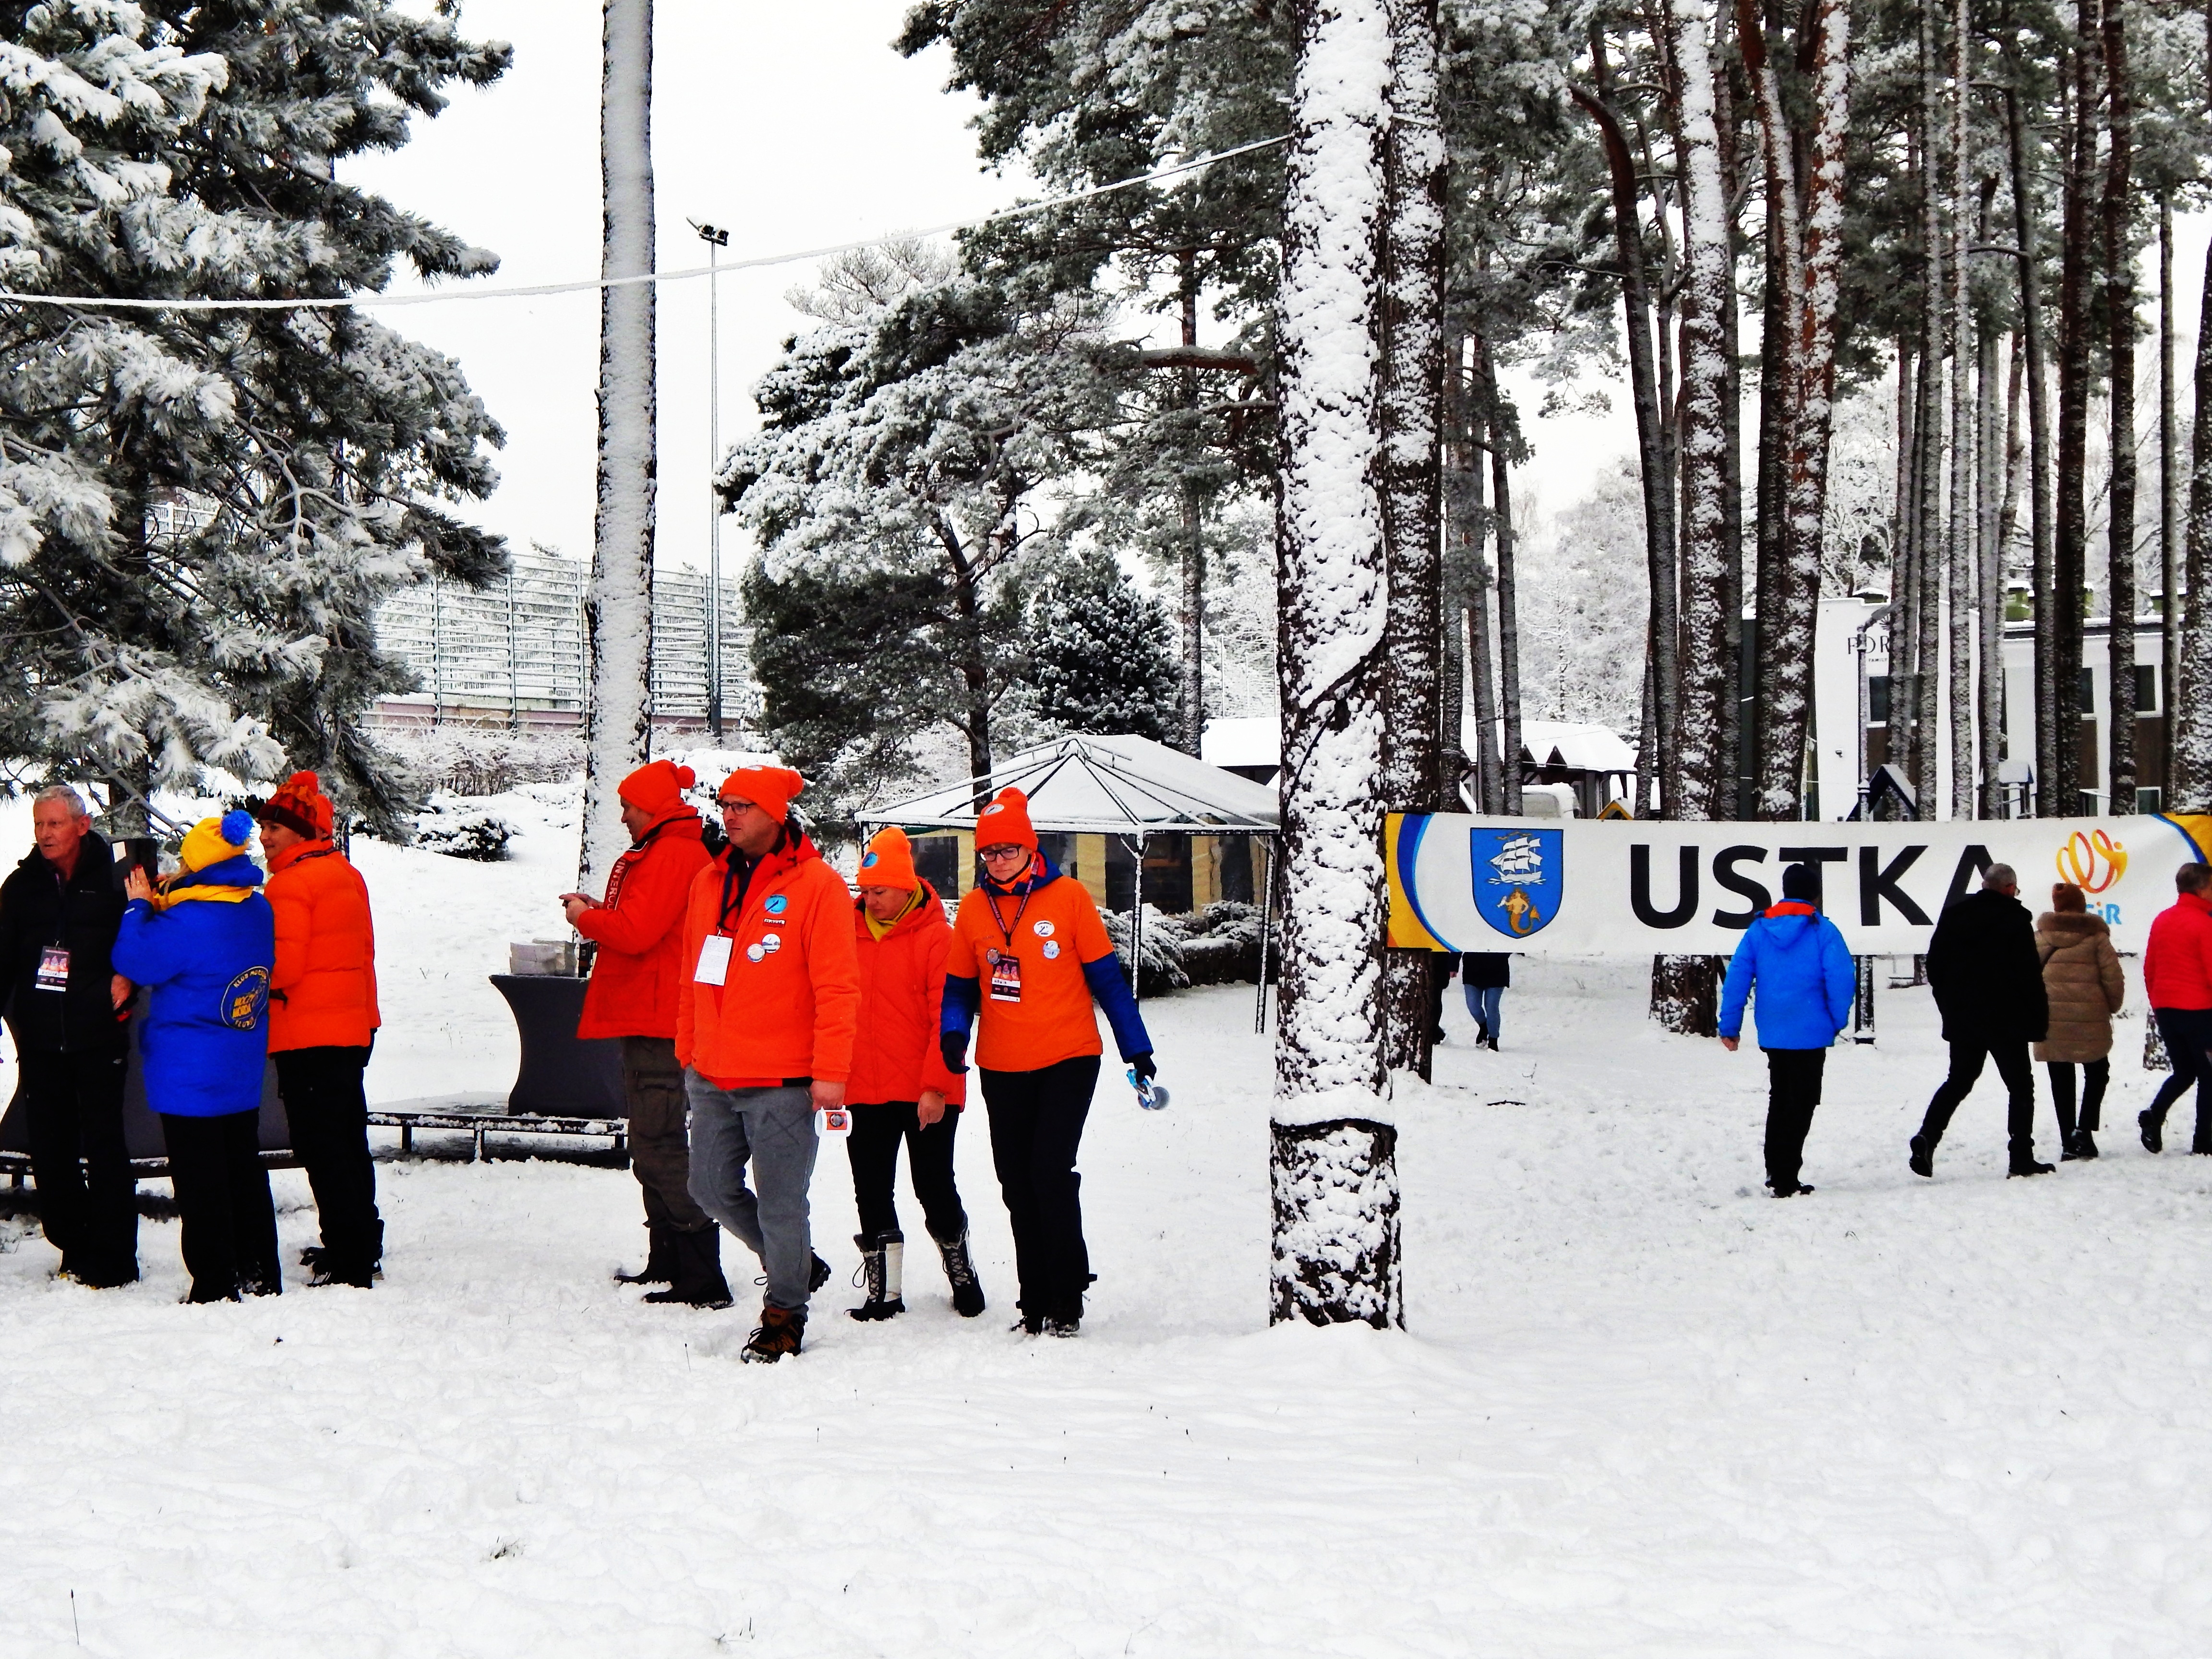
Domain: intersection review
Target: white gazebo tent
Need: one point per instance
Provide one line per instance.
(1125, 787)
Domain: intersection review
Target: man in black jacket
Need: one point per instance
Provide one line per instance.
(1988, 980)
(66, 1005)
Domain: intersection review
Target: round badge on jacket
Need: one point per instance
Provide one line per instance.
(771, 943)
(776, 904)
(1042, 928)
(1051, 949)
(754, 953)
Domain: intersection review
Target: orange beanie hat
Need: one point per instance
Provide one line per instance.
(889, 862)
(657, 787)
(769, 788)
(1006, 821)
(300, 807)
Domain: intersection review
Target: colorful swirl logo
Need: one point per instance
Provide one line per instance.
(2092, 860)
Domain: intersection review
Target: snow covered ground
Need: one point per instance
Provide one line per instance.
(1640, 1408)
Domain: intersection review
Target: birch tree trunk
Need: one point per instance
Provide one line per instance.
(2069, 547)
(2120, 321)
(618, 610)
(1334, 1166)
(1412, 478)
(2040, 528)
(1959, 548)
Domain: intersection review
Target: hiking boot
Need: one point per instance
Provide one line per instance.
(2028, 1166)
(781, 1332)
(2154, 1132)
(1792, 1190)
(660, 1258)
(1059, 1327)
(1029, 1324)
(960, 1271)
(1922, 1156)
(883, 1259)
(331, 1271)
(698, 1280)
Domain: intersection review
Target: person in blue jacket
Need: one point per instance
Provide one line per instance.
(205, 943)
(1794, 967)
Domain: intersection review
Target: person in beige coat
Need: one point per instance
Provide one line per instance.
(2081, 975)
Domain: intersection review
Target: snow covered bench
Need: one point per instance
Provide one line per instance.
(478, 1124)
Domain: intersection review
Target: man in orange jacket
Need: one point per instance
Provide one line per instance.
(636, 978)
(1028, 955)
(764, 1029)
(322, 1023)
(900, 1089)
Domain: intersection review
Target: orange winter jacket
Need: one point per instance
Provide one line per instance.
(322, 993)
(639, 927)
(790, 995)
(897, 1054)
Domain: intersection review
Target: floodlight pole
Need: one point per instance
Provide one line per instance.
(716, 239)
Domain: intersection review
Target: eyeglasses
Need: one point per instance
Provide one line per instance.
(1000, 854)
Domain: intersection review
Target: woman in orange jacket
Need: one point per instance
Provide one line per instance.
(322, 1023)
(900, 1090)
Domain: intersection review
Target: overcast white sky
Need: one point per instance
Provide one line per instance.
(795, 125)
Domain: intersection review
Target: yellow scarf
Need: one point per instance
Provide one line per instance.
(167, 897)
(877, 929)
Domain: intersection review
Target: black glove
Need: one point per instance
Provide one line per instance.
(953, 1045)
(1143, 1066)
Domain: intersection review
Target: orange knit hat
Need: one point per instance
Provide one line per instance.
(769, 788)
(1006, 821)
(657, 787)
(889, 862)
(300, 807)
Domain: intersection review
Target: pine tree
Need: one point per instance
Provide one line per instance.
(1099, 653)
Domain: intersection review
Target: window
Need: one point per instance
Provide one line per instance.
(2146, 687)
(2088, 693)
(1877, 700)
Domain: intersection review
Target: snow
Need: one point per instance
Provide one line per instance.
(1639, 1407)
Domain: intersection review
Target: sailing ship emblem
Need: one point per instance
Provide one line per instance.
(1517, 878)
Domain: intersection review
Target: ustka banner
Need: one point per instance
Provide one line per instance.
(1583, 887)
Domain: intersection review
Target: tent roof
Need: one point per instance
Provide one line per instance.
(1584, 747)
(1115, 786)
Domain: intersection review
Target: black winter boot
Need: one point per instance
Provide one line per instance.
(2153, 1130)
(699, 1282)
(2084, 1144)
(1921, 1157)
(883, 1259)
(660, 1258)
(960, 1270)
(2023, 1161)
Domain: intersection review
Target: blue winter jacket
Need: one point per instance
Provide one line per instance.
(205, 1035)
(1804, 977)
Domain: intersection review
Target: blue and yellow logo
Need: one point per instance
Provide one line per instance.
(1517, 876)
(244, 1001)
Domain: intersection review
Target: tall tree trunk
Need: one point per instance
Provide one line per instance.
(1194, 536)
(1771, 512)
(1333, 1167)
(1453, 759)
(1927, 651)
(1412, 478)
(1960, 548)
(618, 612)
(2193, 702)
(1991, 446)
(2040, 528)
(1473, 525)
(2069, 548)
(1730, 767)
(2169, 493)
(1508, 615)
(2120, 319)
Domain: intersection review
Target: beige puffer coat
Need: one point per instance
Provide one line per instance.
(2081, 972)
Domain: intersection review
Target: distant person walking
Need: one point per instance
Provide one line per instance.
(1795, 970)
(2178, 973)
(764, 1029)
(1028, 955)
(68, 1010)
(1988, 981)
(636, 976)
(1484, 976)
(323, 1021)
(206, 944)
(900, 1091)
(2083, 979)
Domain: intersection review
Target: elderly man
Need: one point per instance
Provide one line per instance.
(1988, 979)
(59, 911)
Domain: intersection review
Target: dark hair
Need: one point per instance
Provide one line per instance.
(2067, 896)
(2192, 877)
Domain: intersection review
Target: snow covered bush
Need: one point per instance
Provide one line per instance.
(1221, 944)
(1163, 969)
(476, 760)
(459, 830)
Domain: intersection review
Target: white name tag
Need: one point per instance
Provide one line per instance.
(713, 959)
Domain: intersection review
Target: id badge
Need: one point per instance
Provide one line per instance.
(714, 966)
(833, 1121)
(1006, 976)
(53, 968)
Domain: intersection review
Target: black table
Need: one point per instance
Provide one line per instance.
(562, 1075)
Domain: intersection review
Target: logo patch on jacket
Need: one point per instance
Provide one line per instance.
(246, 1000)
(776, 904)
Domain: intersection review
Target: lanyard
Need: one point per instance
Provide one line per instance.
(1006, 932)
(729, 875)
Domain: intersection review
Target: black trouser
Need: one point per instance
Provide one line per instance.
(659, 1134)
(2095, 1074)
(329, 1116)
(2011, 1063)
(872, 1150)
(2187, 1034)
(223, 1199)
(1037, 1127)
(1793, 1091)
(89, 1210)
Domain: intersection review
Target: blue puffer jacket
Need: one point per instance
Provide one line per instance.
(1804, 975)
(206, 1033)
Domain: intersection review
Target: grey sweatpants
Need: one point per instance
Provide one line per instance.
(774, 1129)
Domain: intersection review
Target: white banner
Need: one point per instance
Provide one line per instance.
(1583, 887)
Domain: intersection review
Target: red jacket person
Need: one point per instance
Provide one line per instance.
(764, 1029)
(636, 978)
(900, 1089)
(2178, 973)
(1028, 955)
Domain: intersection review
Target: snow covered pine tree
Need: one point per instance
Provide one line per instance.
(1333, 1169)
